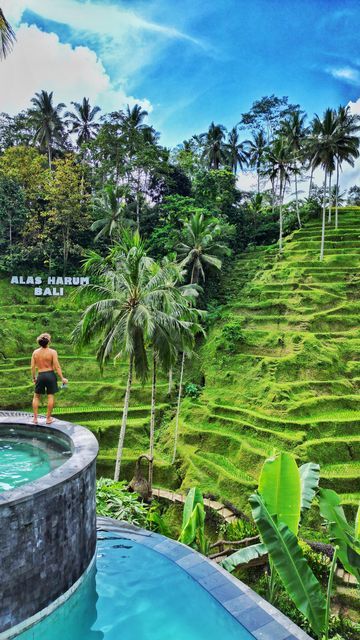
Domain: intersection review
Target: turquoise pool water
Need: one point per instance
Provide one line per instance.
(134, 593)
(22, 461)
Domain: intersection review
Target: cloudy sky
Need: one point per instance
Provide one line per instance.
(188, 62)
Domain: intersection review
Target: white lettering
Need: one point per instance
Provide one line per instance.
(76, 281)
(51, 280)
(61, 291)
(38, 291)
(30, 280)
(59, 280)
(38, 280)
(21, 280)
(47, 292)
(14, 280)
(84, 280)
(67, 281)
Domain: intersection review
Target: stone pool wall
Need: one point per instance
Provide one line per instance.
(47, 527)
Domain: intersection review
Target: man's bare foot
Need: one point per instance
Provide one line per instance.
(50, 421)
(33, 421)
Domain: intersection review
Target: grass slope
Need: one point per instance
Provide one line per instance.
(282, 367)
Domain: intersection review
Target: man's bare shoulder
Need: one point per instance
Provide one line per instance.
(53, 351)
(36, 351)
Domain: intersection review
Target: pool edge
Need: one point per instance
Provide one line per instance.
(13, 632)
(261, 619)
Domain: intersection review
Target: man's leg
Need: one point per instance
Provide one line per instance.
(50, 406)
(35, 404)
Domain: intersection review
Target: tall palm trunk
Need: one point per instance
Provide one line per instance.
(297, 200)
(258, 179)
(123, 422)
(49, 155)
(330, 198)
(178, 406)
(323, 221)
(152, 421)
(311, 181)
(170, 381)
(281, 219)
(337, 195)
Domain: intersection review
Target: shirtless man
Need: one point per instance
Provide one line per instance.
(46, 361)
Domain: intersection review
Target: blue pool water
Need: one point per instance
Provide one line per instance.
(134, 593)
(22, 462)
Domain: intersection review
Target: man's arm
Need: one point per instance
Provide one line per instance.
(57, 367)
(33, 368)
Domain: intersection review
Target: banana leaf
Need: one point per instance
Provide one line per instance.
(357, 524)
(195, 525)
(289, 562)
(309, 478)
(341, 533)
(193, 497)
(243, 556)
(279, 485)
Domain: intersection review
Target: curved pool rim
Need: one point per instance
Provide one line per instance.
(51, 519)
(84, 449)
(258, 616)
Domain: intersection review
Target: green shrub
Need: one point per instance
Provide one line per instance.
(240, 529)
(192, 390)
(114, 501)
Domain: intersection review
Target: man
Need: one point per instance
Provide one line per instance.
(46, 361)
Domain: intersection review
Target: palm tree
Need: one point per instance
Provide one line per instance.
(213, 146)
(280, 167)
(235, 151)
(81, 121)
(110, 211)
(257, 153)
(325, 145)
(348, 146)
(125, 310)
(7, 36)
(169, 340)
(46, 119)
(200, 249)
(294, 131)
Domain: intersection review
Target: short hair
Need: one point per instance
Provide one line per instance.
(44, 339)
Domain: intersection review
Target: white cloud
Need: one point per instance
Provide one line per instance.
(349, 74)
(40, 61)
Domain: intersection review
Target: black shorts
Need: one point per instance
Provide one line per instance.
(46, 381)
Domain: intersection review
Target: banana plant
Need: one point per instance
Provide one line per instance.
(193, 522)
(287, 491)
(342, 534)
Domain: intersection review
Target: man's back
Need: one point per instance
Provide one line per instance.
(44, 358)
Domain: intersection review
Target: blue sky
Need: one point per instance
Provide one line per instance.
(188, 61)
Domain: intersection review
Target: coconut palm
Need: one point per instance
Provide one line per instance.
(325, 134)
(294, 131)
(168, 341)
(7, 36)
(235, 151)
(213, 146)
(46, 119)
(256, 150)
(110, 211)
(82, 121)
(125, 311)
(201, 249)
(280, 167)
(348, 146)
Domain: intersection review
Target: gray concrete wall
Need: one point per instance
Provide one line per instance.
(47, 530)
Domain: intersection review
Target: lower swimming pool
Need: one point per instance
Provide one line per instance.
(23, 461)
(135, 593)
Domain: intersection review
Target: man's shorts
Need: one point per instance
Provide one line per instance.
(46, 381)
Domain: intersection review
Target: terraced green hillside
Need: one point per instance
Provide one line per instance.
(282, 367)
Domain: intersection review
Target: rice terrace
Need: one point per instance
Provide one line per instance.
(179, 325)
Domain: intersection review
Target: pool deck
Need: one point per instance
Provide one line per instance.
(258, 616)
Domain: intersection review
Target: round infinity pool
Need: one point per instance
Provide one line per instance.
(24, 459)
(135, 592)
